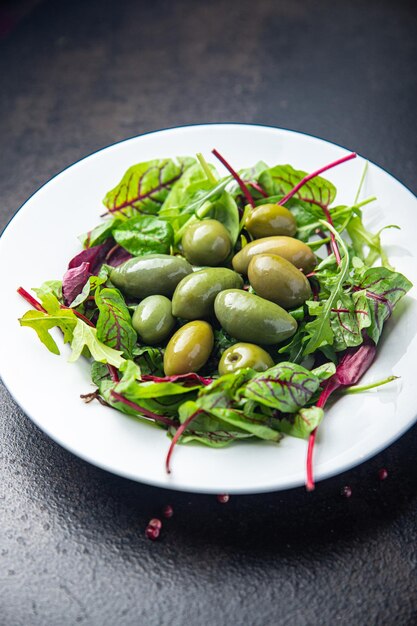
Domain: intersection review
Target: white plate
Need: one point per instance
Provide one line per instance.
(40, 240)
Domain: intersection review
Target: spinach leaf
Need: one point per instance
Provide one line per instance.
(224, 209)
(100, 233)
(145, 234)
(286, 387)
(145, 186)
(114, 325)
(281, 179)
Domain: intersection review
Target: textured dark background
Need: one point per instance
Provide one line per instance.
(77, 75)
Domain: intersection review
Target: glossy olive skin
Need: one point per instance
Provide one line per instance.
(270, 219)
(153, 319)
(276, 279)
(206, 242)
(244, 355)
(295, 251)
(194, 296)
(189, 348)
(152, 274)
(250, 318)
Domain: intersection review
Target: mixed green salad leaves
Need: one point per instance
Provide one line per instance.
(338, 328)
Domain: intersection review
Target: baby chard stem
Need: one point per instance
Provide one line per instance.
(237, 178)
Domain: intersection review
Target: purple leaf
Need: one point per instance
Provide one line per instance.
(74, 281)
(95, 256)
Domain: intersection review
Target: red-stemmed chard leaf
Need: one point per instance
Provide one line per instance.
(114, 324)
(186, 379)
(145, 186)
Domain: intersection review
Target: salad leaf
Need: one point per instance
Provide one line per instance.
(74, 280)
(89, 288)
(50, 286)
(187, 189)
(302, 423)
(145, 234)
(145, 186)
(319, 331)
(114, 325)
(281, 179)
(348, 318)
(361, 237)
(42, 323)
(286, 387)
(150, 360)
(382, 289)
(100, 233)
(224, 210)
(85, 336)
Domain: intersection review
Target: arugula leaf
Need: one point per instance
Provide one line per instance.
(145, 234)
(114, 325)
(286, 387)
(361, 237)
(145, 186)
(42, 323)
(281, 179)
(85, 336)
(319, 331)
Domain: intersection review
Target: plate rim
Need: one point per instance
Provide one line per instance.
(291, 483)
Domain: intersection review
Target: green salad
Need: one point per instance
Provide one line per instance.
(223, 308)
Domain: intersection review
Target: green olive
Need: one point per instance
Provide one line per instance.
(152, 274)
(244, 355)
(189, 348)
(270, 219)
(153, 319)
(276, 279)
(295, 251)
(251, 318)
(206, 242)
(195, 294)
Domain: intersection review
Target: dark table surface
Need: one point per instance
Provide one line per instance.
(78, 75)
